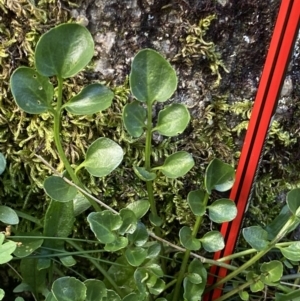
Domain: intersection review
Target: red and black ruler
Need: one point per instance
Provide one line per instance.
(278, 57)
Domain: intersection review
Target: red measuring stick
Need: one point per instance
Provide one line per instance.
(281, 47)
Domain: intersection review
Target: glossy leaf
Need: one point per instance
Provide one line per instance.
(292, 252)
(118, 244)
(257, 286)
(177, 165)
(135, 256)
(2, 163)
(271, 272)
(172, 120)
(187, 239)
(129, 221)
(81, 203)
(140, 236)
(111, 296)
(134, 118)
(91, 99)
(154, 268)
(196, 201)
(28, 245)
(67, 261)
(103, 224)
(63, 51)
(122, 275)
(6, 249)
(293, 296)
(58, 222)
(143, 174)
(155, 220)
(152, 78)
(222, 210)
(256, 237)
(2, 294)
(193, 290)
(34, 278)
(293, 201)
(8, 216)
(157, 288)
(32, 92)
(132, 297)
(68, 289)
(219, 176)
(139, 208)
(276, 225)
(59, 190)
(244, 295)
(212, 241)
(102, 157)
(141, 275)
(95, 290)
(153, 250)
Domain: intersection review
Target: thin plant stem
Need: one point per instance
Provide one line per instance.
(255, 258)
(187, 254)
(100, 269)
(57, 122)
(235, 290)
(148, 148)
(178, 248)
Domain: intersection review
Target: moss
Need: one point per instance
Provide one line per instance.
(194, 48)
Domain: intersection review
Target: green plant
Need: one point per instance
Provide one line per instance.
(135, 263)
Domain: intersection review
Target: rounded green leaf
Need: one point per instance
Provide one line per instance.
(129, 221)
(222, 210)
(118, 244)
(63, 51)
(153, 250)
(32, 92)
(134, 117)
(68, 289)
(91, 99)
(177, 165)
(155, 220)
(172, 120)
(102, 157)
(143, 174)
(6, 249)
(193, 291)
(135, 256)
(139, 208)
(103, 224)
(257, 286)
(244, 295)
(219, 176)
(140, 236)
(292, 252)
(8, 216)
(2, 163)
(293, 201)
(152, 78)
(271, 271)
(28, 245)
(196, 201)
(187, 239)
(213, 241)
(81, 203)
(95, 290)
(111, 296)
(59, 190)
(256, 237)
